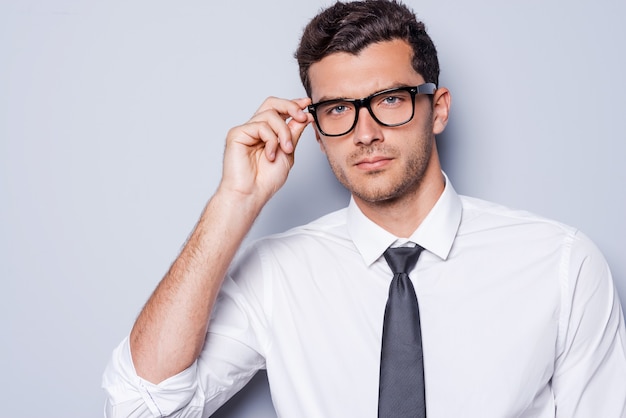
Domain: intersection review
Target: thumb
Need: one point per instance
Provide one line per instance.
(297, 128)
(298, 123)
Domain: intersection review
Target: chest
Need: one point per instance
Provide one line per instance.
(488, 328)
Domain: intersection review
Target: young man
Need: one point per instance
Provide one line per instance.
(518, 314)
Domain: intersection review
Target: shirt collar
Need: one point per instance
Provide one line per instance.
(435, 234)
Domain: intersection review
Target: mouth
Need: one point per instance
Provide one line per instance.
(373, 163)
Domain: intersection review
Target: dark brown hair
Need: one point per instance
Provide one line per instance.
(353, 26)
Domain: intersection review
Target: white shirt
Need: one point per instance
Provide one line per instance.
(519, 316)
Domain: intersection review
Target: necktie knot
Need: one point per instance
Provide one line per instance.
(402, 259)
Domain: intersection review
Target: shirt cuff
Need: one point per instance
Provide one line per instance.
(126, 390)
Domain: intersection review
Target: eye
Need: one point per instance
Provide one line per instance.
(391, 100)
(336, 109)
(339, 109)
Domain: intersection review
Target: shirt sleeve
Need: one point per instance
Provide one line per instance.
(128, 395)
(231, 355)
(590, 369)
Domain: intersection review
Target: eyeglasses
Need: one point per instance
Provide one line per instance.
(391, 107)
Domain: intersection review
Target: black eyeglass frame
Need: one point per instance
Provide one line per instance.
(426, 88)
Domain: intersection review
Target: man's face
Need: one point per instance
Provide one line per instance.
(376, 163)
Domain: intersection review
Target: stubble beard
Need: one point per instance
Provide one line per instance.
(379, 190)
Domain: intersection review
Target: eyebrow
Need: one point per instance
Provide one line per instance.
(392, 86)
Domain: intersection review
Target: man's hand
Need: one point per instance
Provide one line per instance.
(260, 153)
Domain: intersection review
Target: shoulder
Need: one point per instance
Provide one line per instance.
(327, 231)
(521, 235)
(305, 248)
(481, 215)
(531, 234)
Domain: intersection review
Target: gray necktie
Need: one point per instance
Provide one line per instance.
(401, 388)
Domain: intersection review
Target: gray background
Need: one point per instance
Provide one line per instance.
(112, 121)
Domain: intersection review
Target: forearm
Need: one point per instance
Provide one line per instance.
(170, 331)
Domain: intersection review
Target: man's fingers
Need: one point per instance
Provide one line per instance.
(274, 130)
(287, 118)
(299, 113)
(297, 127)
(299, 120)
(285, 108)
(258, 134)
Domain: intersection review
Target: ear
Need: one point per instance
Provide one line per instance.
(441, 109)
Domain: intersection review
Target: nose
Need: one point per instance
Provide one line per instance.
(367, 130)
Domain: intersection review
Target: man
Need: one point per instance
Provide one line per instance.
(518, 314)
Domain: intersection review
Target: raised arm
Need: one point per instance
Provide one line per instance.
(170, 331)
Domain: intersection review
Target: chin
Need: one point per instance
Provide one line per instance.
(388, 193)
(378, 196)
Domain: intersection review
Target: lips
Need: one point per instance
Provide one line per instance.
(373, 162)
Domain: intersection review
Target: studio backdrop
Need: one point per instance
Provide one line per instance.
(113, 116)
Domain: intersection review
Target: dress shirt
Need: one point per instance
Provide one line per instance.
(519, 315)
